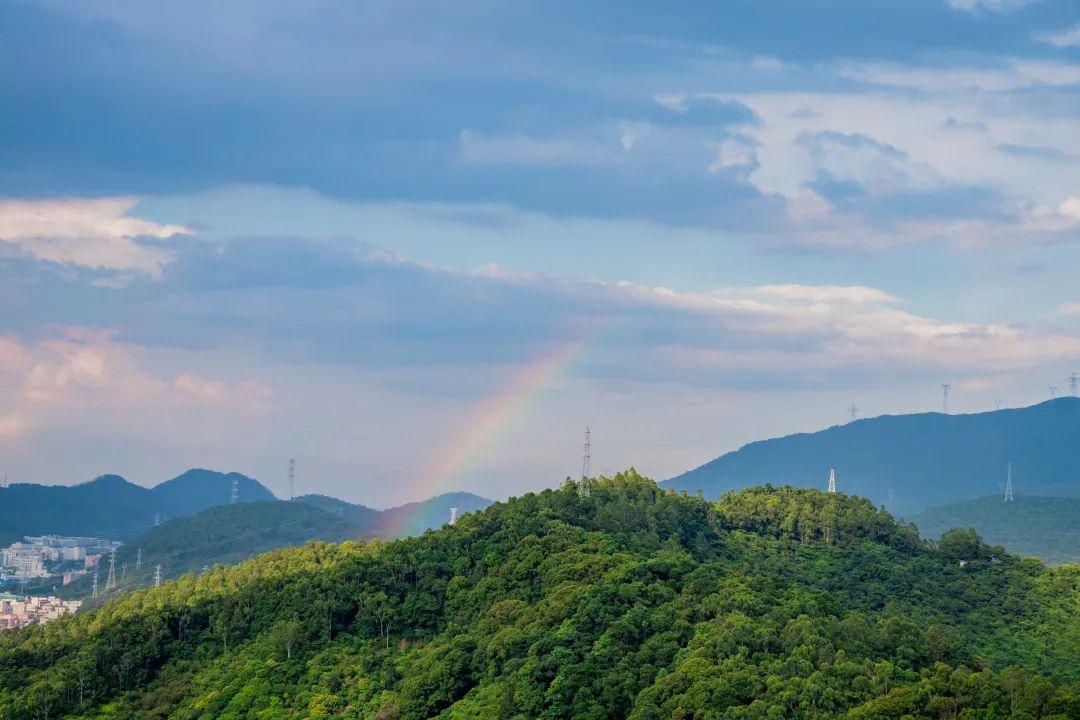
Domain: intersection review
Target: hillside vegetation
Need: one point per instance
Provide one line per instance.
(914, 462)
(1043, 527)
(605, 599)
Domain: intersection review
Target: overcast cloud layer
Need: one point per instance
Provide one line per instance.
(364, 234)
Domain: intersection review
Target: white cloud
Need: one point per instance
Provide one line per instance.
(95, 233)
(1062, 38)
(84, 370)
(999, 6)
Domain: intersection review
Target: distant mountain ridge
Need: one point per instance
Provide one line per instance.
(408, 519)
(913, 462)
(110, 506)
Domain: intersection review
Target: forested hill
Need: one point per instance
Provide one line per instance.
(919, 461)
(1043, 527)
(608, 599)
(110, 506)
(222, 535)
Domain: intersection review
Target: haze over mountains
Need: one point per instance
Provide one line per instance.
(913, 462)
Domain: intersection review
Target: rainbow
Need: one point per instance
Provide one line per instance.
(493, 416)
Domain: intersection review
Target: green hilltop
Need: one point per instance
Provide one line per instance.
(612, 598)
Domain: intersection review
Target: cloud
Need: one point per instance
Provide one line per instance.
(93, 233)
(480, 149)
(78, 370)
(1070, 37)
(997, 6)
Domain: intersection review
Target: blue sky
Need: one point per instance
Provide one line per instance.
(339, 231)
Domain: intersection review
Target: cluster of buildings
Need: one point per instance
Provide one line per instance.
(45, 556)
(17, 611)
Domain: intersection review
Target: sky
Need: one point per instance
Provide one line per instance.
(418, 246)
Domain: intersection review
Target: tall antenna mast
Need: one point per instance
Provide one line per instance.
(234, 492)
(853, 412)
(945, 387)
(1074, 380)
(110, 579)
(1008, 485)
(832, 480)
(157, 575)
(586, 456)
(292, 479)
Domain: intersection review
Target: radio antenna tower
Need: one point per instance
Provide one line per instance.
(1074, 380)
(1008, 485)
(110, 579)
(1053, 391)
(453, 516)
(157, 576)
(853, 412)
(234, 492)
(138, 559)
(586, 456)
(945, 387)
(292, 479)
(93, 584)
(832, 480)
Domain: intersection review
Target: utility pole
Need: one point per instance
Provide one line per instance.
(157, 576)
(1008, 485)
(292, 479)
(586, 456)
(110, 579)
(832, 480)
(945, 387)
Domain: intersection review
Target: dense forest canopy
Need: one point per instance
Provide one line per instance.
(611, 598)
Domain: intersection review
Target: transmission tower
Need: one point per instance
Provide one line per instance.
(110, 579)
(853, 412)
(586, 456)
(453, 516)
(138, 559)
(1008, 485)
(1053, 391)
(157, 576)
(945, 387)
(832, 480)
(1074, 380)
(234, 492)
(93, 585)
(5, 474)
(292, 479)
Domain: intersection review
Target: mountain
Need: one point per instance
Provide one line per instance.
(110, 506)
(1043, 527)
(913, 462)
(608, 599)
(409, 519)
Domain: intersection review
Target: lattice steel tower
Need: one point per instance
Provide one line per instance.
(586, 456)
(1008, 485)
(832, 480)
(292, 479)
